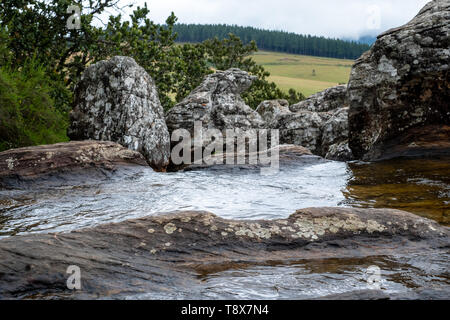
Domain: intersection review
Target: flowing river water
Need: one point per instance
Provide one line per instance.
(416, 185)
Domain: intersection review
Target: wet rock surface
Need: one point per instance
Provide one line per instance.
(419, 294)
(66, 163)
(399, 91)
(286, 155)
(167, 252)
(116, 100)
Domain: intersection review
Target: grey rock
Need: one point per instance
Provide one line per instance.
(339, 151)
(117, 100)
(402, 84)
(330, 99)
(217, 103)
(288, 155)
(335, 136)
(301, 128)
(269, 109)
(319, 123)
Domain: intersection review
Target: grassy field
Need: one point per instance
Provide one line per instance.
(304, 73)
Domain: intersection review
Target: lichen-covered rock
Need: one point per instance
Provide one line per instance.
(319, 123)
(330, 99)
(339, 151)
(269, 109)
(117, 100)
(402, 84)
(166, 253)
(301, 128)
(217, 103)
(334, 141)
(63, 162)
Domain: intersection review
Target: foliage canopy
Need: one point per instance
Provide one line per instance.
(34, 34)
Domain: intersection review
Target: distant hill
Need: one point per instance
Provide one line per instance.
(279, 41)
(367, 39)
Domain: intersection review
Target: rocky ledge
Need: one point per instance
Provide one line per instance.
(288, 154)
(164, 253)
(54, 163)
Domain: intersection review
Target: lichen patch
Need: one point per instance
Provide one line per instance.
(170, 228)
(10, 163)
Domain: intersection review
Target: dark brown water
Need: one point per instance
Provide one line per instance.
(420, 186)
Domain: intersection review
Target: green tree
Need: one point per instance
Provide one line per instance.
(232, 53)
(34, 34)
(27, 113)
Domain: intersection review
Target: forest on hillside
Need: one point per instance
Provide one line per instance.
(279, 41)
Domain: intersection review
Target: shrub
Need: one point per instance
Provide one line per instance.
(27, 110)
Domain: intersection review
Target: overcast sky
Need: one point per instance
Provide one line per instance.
(330, 18)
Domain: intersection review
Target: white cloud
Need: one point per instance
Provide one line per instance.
(331, 18)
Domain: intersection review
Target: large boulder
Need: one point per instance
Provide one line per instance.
(301, 128)
(116, 100)
(399, 91)
(217, 103)
(319, 123)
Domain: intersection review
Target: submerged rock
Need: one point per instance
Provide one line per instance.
(116, 100)
(64, 161)
(165, 253)
(399, 91)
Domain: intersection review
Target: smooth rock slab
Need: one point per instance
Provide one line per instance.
(167, 252)
(71, 161)
(287, 155)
